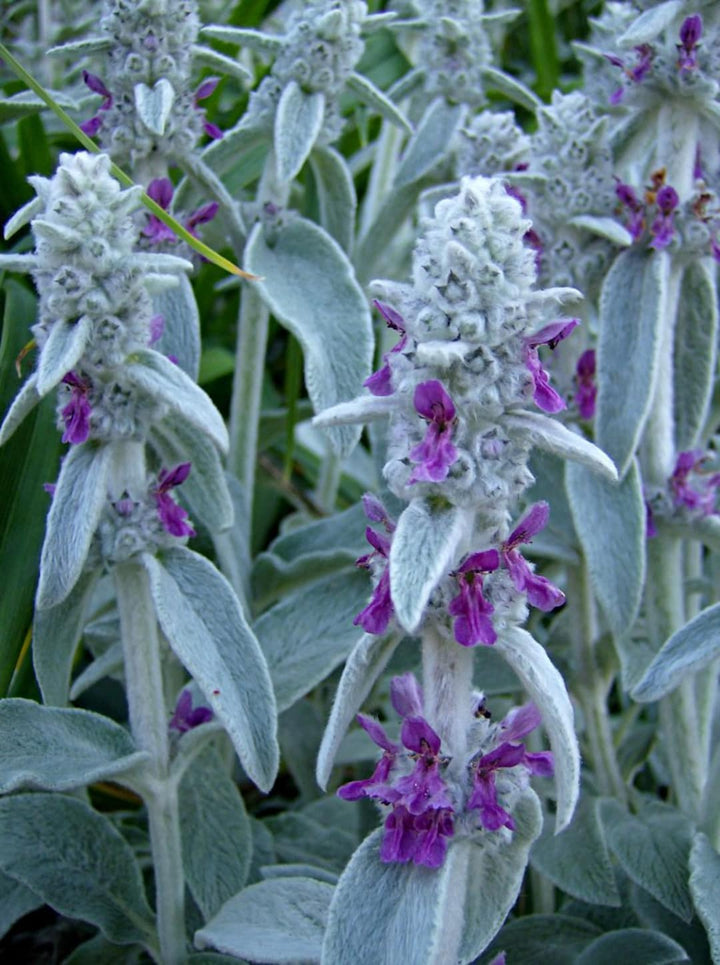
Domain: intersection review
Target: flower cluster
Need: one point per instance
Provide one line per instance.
(149, 113)
(95, 329)
(490, 144)
(319, 51)
(455, 50)
(427, 802)
(156, 231)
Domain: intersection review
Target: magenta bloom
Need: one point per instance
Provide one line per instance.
(701, 498)
(517, 724)
(586, 392)
(662, 228)
(206, 88)
(629, 200)
(470, 608)
(76, 414)
(545, 397)
(161, 190)
(436, 453)
(186, 716)
(650, 527)
(172, 516)
(93, 125)
(421, 817)
(380, 382)
(541, 593)
(379, 611)
(690, 33)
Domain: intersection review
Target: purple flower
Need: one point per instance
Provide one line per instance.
(650, 527)
(470, 608)
(421, 817)
(628, 199)
(161, 190)
(545, 397)
(76, 414)
(206, 88)
(368, 787)
(662, 228)
(541, 593)
(701, 498)
(93, 125)
(518, 723)
(186, 716)
(635, 72)
(157, 327)
(436, 453)
(586, 392)
(380, 382)
(172, 516)
(690, 33)
(379, 611)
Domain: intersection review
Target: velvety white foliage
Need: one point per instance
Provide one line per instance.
(298, 120)
(77, 862)
(22, 405)
(309, 285)
(705, 888)
(204, 624)
(695, 352)
(610, 522)
(547, 690)
(153, 104)
(277, 921)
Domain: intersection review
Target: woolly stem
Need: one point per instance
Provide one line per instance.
(591, 689)
(328, 480)
(149, 726)
(447, 685)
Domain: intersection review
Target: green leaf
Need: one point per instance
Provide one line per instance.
(633, 944)
(632, 304)
(511, 88)
(152, 373)
(543, 47)
(77, 504)
(56, 634)
(705, 889)
(383, 909)
(216, 836)
(281, 920)
(547, 690)
(16, 900)
(76, 861)
(650, 23)
(610, 522)
(577, 860)
(543, 938)
(300, 838)
(307, 634)
(309, 285)
(430, 144)
(336, 195)
(695, 353)
(298, 119)
(58, 749)
(503, 864)
(423, 550)
(653, 849)
(99, 949)
(215, 362)
(205, 626)
(363, 667)
(688, 650)
(181, 334)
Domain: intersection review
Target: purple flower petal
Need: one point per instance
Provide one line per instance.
(586, 393)
(92, 126)
(690, 33)
(393, 318)
(406, 695)
(206, 88)
(186, 717)
(169, 478)
(418, 736)
(204, 214)
(76, 414)
(213, 131)
(98, 87)
(377, 614)
(470, 608)
(161, 191)
(520, 721)
(157, 327)
(436, 453)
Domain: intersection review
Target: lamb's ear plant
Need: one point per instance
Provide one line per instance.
(122, 407)
(520, 610)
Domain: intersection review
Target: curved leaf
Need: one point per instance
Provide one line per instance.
(153, 105)
(56, 749)
(633, 944)
(66, 342)
(558, 440)
(336, 195)
(298, 119)
(705, 889)
(309, 285)
(546, 688)
(22, 405)
(423, 550)
(610, 522)
(431, 141)
(632, 303)
(204, 624)
(181, 334)
(77, 504)
(695, 354)
(363, 667)
(77, 862)
(688, 650)
(280, 920)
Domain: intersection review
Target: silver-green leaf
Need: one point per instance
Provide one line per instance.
(298, 120)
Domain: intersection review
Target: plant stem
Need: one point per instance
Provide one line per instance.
(447, 686)
(328, 480)
(591, 690)
(149, 725)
